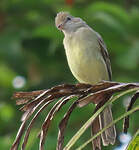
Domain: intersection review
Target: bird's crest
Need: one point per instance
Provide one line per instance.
(61, 17)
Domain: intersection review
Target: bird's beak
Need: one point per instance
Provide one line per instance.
(60, 26)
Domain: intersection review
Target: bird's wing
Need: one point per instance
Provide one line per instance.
(92, 35)
(105, 56)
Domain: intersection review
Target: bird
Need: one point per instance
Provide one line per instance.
(89, 62)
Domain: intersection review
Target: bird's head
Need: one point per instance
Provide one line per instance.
(67, 23)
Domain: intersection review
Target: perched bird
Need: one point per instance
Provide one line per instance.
(89, 62)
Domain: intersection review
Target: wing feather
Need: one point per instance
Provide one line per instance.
(105, 55)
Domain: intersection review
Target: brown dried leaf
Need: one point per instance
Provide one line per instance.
(55, 95)
(56, 92)
(98, 94)
(49, 118)
(23, 101)
(62, 126)
(97, 97)
(18, 95)
(31, 124)
(126, 120)
(25, 117)
(31, 108)
(95, 128)
(18, 136)
(102, 85)
(31, 104)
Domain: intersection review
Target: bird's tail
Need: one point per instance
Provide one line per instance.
(105, 118)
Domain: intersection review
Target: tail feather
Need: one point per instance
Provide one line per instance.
(109, 135)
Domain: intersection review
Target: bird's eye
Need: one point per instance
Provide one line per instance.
(68, 18)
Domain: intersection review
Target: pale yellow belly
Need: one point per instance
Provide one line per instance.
(85, 67)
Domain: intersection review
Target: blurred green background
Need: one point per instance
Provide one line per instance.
(32, 57)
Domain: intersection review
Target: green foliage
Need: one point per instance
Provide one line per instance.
(134, 144)
(31, 46)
